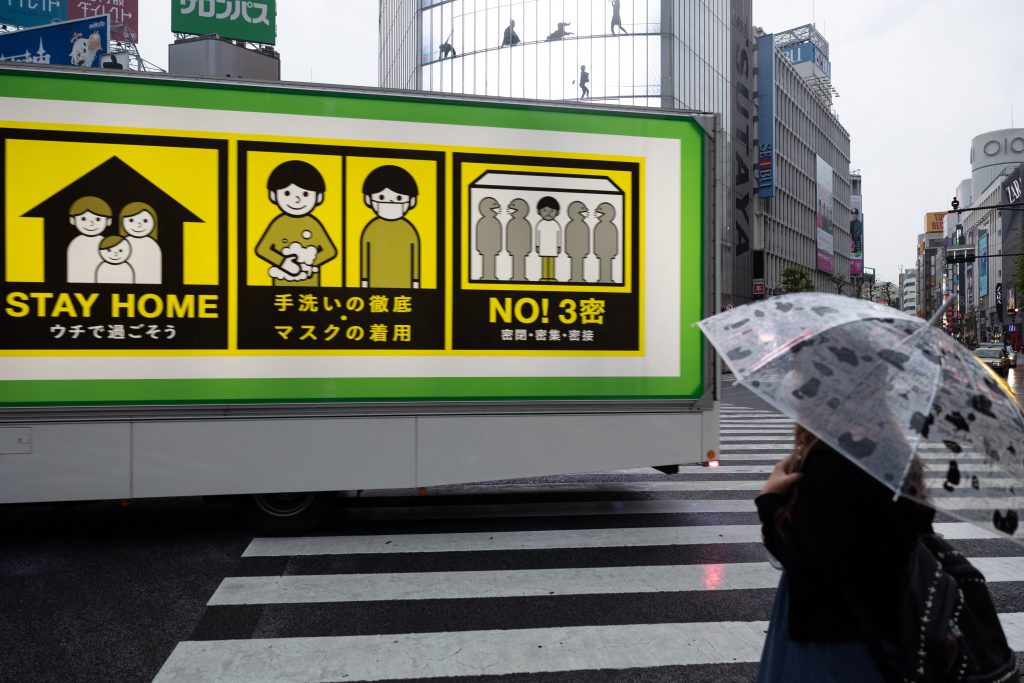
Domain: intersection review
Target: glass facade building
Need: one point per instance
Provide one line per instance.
(695, 55)
(648, 53)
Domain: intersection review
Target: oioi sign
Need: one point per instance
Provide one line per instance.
(255, 22)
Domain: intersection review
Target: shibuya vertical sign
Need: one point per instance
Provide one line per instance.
(255, 22)
(766, 116)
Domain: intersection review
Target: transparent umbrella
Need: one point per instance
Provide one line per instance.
(882, 387)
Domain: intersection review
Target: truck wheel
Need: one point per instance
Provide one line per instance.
(284, 514)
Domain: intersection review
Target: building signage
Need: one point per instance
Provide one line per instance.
(983, 265)
(766, 164)
(255, 22)
(935, 221)
(856, 235)
(807, 51)
(68, 43)
(823, 218)
(758, 289)
(124, 16)
(32, 12)
(999, 300)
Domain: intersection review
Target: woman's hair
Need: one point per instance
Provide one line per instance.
(803, 442)
(134, 209)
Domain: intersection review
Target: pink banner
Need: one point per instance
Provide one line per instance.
(124, 16)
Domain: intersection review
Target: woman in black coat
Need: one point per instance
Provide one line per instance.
(842, 539)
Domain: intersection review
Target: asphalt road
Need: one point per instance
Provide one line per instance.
(175, 588)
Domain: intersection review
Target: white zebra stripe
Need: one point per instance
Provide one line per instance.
(477, 653)
(464, 653)
(518, 583)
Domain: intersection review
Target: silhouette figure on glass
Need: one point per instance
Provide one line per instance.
(560, 32)
(584, 79)
(548, 237)
(616, 18)
(606, 240)
(519, 237)
(577, 239)
(446, 49)
(488, 235)
(510, 38)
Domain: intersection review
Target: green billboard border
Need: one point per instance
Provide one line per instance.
(299, 100)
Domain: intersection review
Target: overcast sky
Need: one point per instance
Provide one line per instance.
(915, 85)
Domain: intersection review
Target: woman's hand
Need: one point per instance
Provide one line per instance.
(784, 474)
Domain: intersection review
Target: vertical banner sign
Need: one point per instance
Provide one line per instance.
(124, 16)
(253, 248)
(856, 234)
(32, 12)
(255, 22)
(742, 69)
(68, 43)
(983, 265)
(766, 116)
(823, 217)
(999, 300)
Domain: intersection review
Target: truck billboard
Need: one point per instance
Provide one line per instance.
(195, 246)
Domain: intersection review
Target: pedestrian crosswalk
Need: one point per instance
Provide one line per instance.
(623, 575)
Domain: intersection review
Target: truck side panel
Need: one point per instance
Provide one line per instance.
(466, 449)
(251, 456)
(74, 461)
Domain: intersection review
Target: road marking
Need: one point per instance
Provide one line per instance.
(465, 653)
(453, 585)
(539, 540)
(519, 583)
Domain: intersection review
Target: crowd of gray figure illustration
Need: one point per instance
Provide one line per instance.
(509, 38)
(547, 238)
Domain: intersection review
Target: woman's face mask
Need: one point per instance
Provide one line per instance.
(389, 205)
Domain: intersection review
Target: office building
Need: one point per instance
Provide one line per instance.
(908, 291)
(804, 180)
(696, 56)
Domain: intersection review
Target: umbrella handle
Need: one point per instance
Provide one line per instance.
(934, 320)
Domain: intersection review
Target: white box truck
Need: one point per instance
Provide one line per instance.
(274, 290)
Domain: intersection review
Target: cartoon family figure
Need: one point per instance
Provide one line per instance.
(132, 256)
(546, 239)
(295, 244)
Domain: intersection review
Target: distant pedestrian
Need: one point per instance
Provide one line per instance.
(616, 18)
(584, 79)
(560, 32)
(510, 37)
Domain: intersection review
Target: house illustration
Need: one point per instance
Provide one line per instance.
(114, 186)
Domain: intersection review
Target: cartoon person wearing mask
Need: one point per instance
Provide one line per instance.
(389, 248)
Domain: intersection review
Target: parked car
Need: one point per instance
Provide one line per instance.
(995, 357)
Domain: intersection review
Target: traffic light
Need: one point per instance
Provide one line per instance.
(960, 255)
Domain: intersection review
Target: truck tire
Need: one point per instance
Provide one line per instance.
(285, 514)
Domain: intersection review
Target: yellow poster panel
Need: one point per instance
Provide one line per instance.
(113, 242)
(297, 188)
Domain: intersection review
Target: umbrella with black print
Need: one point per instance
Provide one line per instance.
(881, 387)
